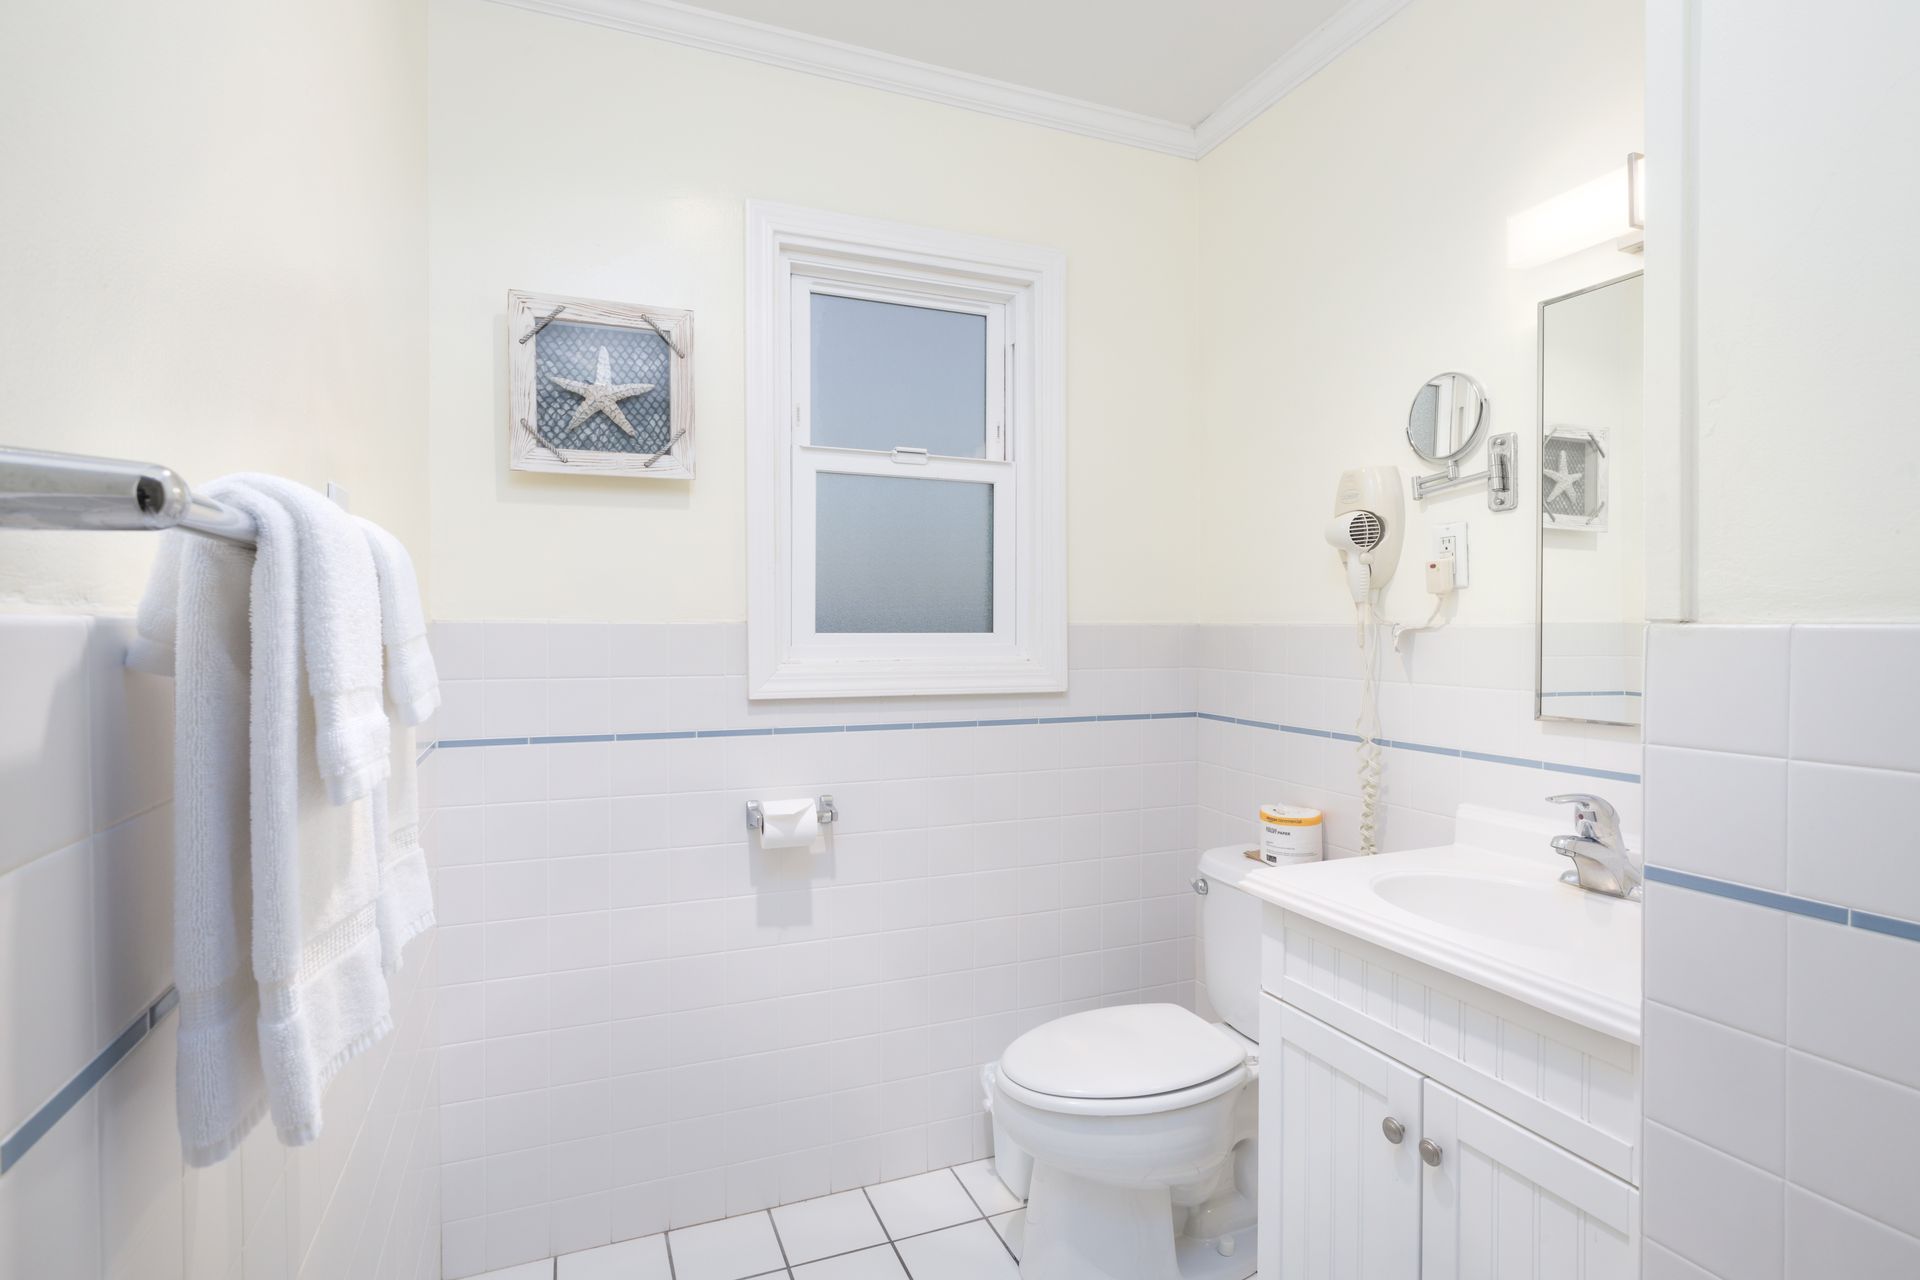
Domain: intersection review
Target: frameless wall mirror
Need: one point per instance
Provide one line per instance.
(1446, 418)
(1592, 597)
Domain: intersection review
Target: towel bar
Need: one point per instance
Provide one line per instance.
(41, 490)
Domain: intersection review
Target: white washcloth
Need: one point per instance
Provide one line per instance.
(219, 1090)
(413, 692)
(339, 620)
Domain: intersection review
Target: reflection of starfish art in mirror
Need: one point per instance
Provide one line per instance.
(1573, 479)
(602, 388)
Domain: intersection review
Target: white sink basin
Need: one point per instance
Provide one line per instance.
(1531, 913)
(1497, 917)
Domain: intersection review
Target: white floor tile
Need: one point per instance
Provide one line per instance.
(925, 1202)
(983, 1184)
(642, 1259)
(541, 1270)
(970, 1252)
(868, 1264)
(1013, 1229)
(730, 1249)
(820, 1228)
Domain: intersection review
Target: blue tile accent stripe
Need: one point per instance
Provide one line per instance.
(1892, 926)
(16, 1144)
(1337, 735)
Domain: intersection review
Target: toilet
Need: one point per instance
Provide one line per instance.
(1130, 1130)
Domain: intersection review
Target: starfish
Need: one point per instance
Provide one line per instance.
(1563, 479)
(602, 395)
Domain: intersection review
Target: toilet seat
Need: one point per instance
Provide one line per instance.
(1125, 1060)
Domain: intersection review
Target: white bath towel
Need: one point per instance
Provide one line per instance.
(316, 942)
(339, 619)
(413, 692)
(220, 1091)
(300, 878)
(156, 624)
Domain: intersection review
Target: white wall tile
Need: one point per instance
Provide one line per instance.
(1856, 691)
(1848, 1139)
(1836, 998)
(1717, 814)
(1822, 1234)
(1711, 1208)
(45, 788)
(1717, 958)
(1718, 1086)
(46, 978)
(1852, 837)
(1718, 688)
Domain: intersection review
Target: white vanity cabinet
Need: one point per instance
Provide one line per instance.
(1415, 1124)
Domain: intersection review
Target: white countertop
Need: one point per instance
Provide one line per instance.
(1496, 919)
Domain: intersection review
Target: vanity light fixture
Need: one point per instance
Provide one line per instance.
(1608, 210)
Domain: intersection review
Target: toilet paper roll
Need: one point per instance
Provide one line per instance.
(790, 824)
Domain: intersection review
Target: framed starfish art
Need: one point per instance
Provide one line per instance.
(599, 388)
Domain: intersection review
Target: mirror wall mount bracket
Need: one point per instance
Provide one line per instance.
(1499, 477)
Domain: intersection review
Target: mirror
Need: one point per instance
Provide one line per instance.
(1447, 415)
(1592, 598)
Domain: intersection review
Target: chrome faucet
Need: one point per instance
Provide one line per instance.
(1601, 862)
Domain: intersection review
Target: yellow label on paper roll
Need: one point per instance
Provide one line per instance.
(1289, 833)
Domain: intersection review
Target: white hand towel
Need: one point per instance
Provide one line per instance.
(413, 685)
(220, 1091)
(339, 620)
(413, 692)
(316, 945)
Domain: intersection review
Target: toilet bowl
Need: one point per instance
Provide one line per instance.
(1130, 1130)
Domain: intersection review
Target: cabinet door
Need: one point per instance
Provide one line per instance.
(1349, 1195)
(1506, 1204)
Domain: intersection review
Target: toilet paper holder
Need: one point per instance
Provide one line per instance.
(757, 820)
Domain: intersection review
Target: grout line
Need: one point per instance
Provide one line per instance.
(887, 1231)
(785, 1262)
(666, 1238)
(968, 1191)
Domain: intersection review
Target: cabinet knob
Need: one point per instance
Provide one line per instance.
(1430, 1152)
(1393, 1129)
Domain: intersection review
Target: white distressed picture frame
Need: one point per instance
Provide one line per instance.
(526, 452)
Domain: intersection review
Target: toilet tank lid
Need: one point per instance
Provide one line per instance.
(1128, 1051)
(1230, 863)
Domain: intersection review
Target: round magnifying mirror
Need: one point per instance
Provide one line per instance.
(1447, 417)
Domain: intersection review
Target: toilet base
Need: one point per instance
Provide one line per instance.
(1077, 1229)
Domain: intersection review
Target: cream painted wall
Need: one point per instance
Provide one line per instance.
(1353, 243)
(1806, 320)
(212, 229)
(570, 159)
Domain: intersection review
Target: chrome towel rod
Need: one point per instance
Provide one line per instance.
(41, 490)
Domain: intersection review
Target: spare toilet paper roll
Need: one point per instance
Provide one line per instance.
(789, 824)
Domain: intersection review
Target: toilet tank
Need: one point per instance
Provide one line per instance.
(1230, 939)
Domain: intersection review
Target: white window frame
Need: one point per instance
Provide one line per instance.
(793, 253)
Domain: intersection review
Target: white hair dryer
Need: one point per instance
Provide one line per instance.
(1366, 529)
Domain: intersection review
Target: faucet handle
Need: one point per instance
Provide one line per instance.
(1595, 818)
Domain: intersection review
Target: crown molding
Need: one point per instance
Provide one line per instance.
(1339, 33)
(776, 46)
(696, 28)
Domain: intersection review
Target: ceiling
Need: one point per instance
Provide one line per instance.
(1173, 62)
(1146, 73)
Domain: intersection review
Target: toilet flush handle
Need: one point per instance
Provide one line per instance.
(1200, 885)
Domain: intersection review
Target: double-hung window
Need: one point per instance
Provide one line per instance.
(906, 480)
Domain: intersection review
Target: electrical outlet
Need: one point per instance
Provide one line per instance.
(1451, 540)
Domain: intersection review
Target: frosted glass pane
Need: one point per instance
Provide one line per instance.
(895, 554)
(887, 376)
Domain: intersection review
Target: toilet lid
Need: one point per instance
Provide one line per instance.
(1129, 1051)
